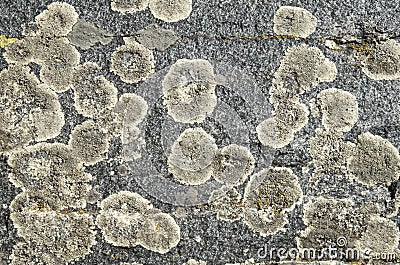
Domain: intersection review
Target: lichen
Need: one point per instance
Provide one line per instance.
(329, 152)
(226, 202)
(57, 20)
(58, 59)
(51, 172)
(272, 133)
(233, 164)
(59, 237)
(19, 51)
(171, 11)
(26, 108)
(85, 35)
(189, 90)
(269, 196)
(88, 142)
(294, 21)
(94, 94)
(329, 220)
(159, 233)
(383, 63)
(189, 177)
(193, 150)
(381, 236)
(132, 62)
(375, 161)
(121, 218)
(5, 41)
(129, 6)
(339, 109)
(155, 37)
(301, 69)
(292, 115)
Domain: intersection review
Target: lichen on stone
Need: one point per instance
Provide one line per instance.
(269, 196)
(383, 62)
(51, 172)
(156, 37)
(191, 157)
(121, 217)
(189, 90)
(339, 109)
(57, 20)
(233, 164)
(26, 108)
(375, 161)
(88, 142)
(294, 21)
(94, 94)
(171, 11)
(132, 62)
(159, 233)
(227, 203)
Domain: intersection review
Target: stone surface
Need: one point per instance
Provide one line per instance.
(239, 35)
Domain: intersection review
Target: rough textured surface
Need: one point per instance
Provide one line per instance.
(225, 32)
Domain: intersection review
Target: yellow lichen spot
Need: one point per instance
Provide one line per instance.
(5, 41)
(276, 212)
(36, 208)
(157, 227)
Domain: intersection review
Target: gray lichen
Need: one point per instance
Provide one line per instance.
(51, 172)
(94, 94)
(227, 203)
(233, 164)
(121, 217)
(294, 21)
(159, 233)
(59, 237)
(132, 62)
(339, 109)
(85, 35)
(189, 90)
(272, 133)
(269, 196)
(329, 220)
(171, 11)
(155, 37)
(88, 142)
(329, 152)
(26, 108)
(375, 161)
(193, 150)
(383, 63)
(57, 20)
(381, 236)
(301, 69)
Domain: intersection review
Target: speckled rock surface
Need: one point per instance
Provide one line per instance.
(229, 34)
